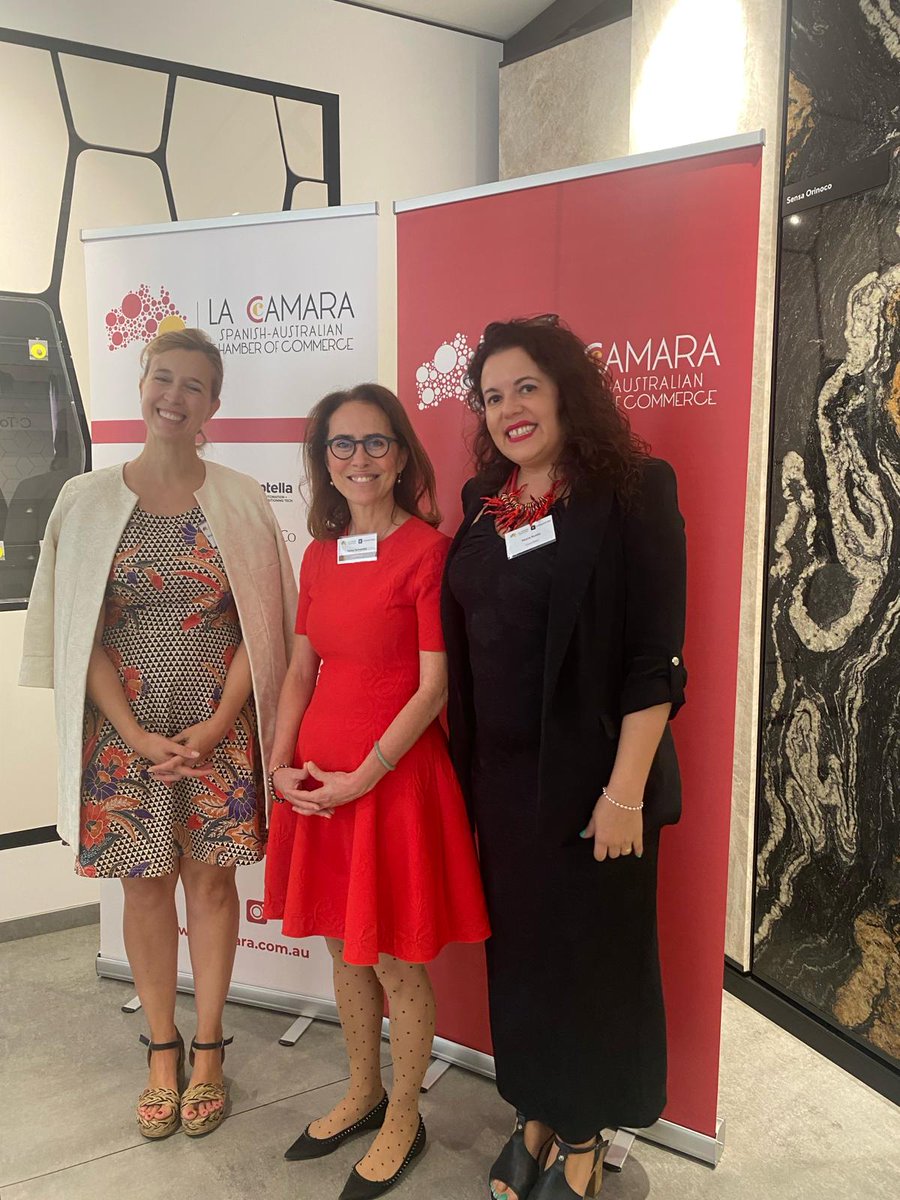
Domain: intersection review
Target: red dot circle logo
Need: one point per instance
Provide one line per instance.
(141, 315)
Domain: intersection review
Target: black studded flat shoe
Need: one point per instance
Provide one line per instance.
(307, 1146)
(358, 1187)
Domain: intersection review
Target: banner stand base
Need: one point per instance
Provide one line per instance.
(437, 1068)
(686, 1141)
(295, 1032)
(619, 1148)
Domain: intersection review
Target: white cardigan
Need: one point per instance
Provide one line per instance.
(79, 544)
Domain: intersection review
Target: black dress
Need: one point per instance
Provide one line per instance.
(576, 1005)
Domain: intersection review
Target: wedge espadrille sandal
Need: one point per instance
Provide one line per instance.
(160, 1127)
(198, 1093)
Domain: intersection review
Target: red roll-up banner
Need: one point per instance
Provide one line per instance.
(651, 260)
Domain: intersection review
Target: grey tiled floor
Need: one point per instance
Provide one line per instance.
(70, 1069)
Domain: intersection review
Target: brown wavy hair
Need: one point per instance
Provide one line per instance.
(329, 513)
(599, 445)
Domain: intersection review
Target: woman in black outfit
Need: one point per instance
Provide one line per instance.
(565, 667)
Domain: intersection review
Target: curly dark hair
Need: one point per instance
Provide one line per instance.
(329, 513)
(599, 444)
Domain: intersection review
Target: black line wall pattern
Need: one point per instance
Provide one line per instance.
(97, 138)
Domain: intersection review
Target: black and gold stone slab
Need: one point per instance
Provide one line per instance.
(827, 903)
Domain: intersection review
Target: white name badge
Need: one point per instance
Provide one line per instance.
(207, 532)
(362, 548)
(529, 537)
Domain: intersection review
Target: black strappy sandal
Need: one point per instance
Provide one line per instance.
(516, 1165)
(553, 1184)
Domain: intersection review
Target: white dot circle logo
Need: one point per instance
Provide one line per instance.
(445, 358)
(444, 377)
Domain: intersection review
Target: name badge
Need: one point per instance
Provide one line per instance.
(207, 533)
(529, 537)
(363, 548)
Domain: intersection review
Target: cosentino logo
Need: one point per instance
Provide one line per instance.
(279, 491)
(668, 372)
(301, 323)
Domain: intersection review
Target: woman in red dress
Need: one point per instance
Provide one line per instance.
(372, 848)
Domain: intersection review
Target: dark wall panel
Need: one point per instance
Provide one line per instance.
(827, 905)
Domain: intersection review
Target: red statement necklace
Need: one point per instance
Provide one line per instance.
(511, 512)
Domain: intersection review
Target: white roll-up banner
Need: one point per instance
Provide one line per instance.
(291, 300)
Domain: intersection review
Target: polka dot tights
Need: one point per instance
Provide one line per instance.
(360, 993)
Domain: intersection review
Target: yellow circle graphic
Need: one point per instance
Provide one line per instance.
(170, 324)
(38, 351)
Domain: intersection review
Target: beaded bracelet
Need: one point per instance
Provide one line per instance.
(384, 762)
(276, 795)
(616, 804)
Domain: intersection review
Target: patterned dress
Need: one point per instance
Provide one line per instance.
(171, 628)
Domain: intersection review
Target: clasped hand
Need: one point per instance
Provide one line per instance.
(186, 755)
(338, 788)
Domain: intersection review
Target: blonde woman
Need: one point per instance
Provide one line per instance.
(161, 613)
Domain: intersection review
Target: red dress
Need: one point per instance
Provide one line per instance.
(395, 871)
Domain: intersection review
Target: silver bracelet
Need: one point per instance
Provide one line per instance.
(616, 804)
(384, 762)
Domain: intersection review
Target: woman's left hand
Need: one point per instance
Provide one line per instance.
(614, 830)
(338, 787)
(202, 737)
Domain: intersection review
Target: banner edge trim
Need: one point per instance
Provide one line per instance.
(369, 209)
(627, 162)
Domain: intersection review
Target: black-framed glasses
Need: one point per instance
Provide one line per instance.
(376, 445)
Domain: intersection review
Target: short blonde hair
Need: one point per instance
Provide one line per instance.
(186, 339)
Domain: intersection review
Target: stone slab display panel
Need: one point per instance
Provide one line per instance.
(827, 898)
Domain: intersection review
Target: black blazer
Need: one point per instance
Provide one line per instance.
(614, 638)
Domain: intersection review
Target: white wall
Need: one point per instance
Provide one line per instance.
(419, 114)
